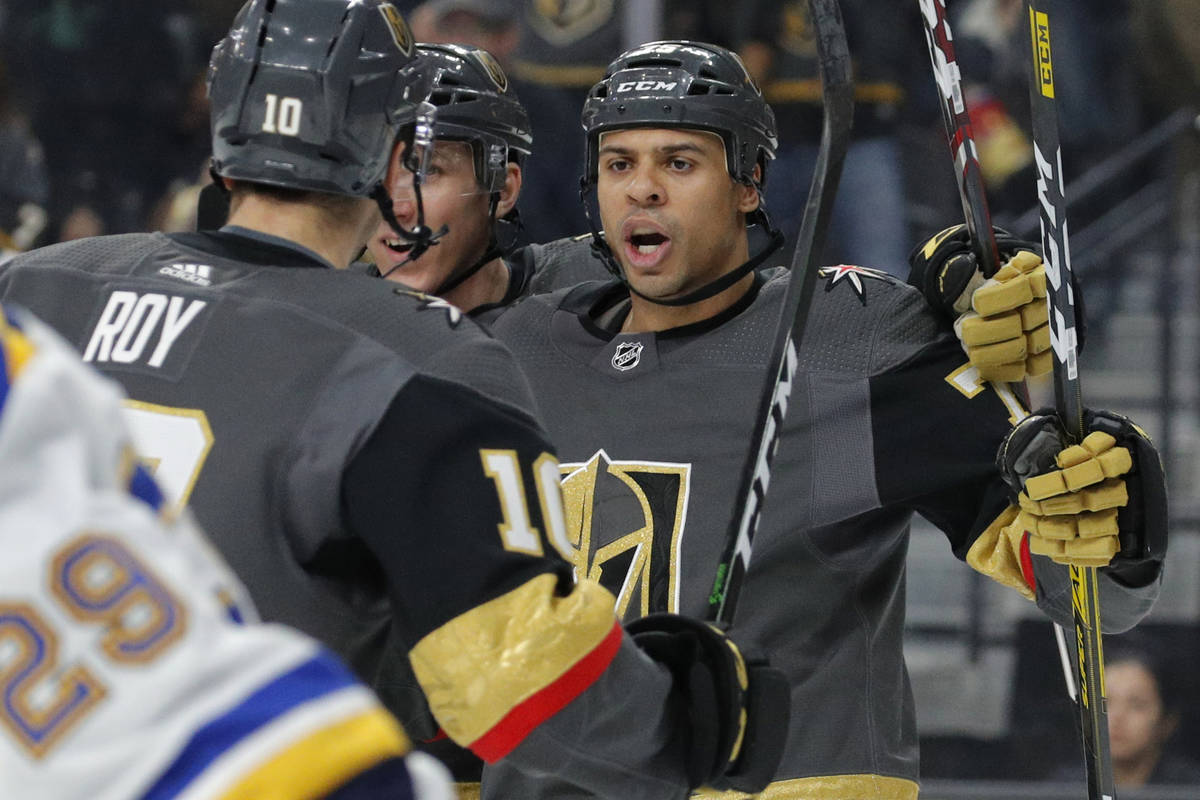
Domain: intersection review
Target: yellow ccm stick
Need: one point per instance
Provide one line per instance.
(1068, 402)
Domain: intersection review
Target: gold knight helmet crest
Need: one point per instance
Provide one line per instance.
(493, 69)
(401, 34)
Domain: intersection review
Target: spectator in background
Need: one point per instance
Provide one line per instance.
(776, 41)
(104, 76)
(1143, 714)
(24, 182)
(1097, 105)
(188, 136)
(487, 24)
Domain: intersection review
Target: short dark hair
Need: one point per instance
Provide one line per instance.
(282, 194)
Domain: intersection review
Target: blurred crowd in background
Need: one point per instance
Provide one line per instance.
(104, 127)
(112, 98)
(104, 119)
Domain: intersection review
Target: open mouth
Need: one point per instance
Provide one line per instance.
(400, 246)
(647, 243)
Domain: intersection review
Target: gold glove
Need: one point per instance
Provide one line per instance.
(1071, 513)
(1006, 334)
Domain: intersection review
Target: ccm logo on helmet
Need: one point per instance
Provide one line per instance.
(646, 86)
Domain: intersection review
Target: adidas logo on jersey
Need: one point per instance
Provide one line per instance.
(199, 274)
(134, 325)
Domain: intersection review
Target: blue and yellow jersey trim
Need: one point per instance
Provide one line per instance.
(15, 352)
(301, 735)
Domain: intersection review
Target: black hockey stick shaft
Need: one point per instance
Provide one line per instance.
(959, 134)
(837, 90)
(1068, 396)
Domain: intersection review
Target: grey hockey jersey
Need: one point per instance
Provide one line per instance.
(886, 419)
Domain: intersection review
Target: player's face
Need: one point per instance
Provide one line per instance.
(452, 197)
(671, 213)
(1135, 713)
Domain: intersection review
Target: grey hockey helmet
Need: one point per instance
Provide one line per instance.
(684, 84)
(310, 94)
(475, 104)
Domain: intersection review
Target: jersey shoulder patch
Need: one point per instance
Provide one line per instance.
(853, 278)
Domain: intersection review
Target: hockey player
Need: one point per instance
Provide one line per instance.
(367, 461)
(482, 136)
(127, 669)
(649, 384)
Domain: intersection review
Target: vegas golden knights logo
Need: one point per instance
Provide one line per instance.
(401, 35)
(562, 22)
(625, 519)
(492, 68)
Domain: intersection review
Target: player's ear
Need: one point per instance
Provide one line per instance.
(747, 193)
(511, 189)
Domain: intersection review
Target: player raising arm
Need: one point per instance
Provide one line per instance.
(649, 382)
(367, 461)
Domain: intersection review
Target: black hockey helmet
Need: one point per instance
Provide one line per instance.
(476, 104)
(310, 94)
(684, 84)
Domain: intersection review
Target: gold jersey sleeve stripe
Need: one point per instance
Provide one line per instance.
(496, 672)
(825, 787)
(467, 791)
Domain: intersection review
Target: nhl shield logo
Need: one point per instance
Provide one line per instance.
(628, 355)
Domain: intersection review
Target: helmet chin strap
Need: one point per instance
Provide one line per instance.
(493, 250)
(422, 236)
(710, 289)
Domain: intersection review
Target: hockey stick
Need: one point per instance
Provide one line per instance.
(1068, 397)
(837, 90)
(971, 193)
(959, 133)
